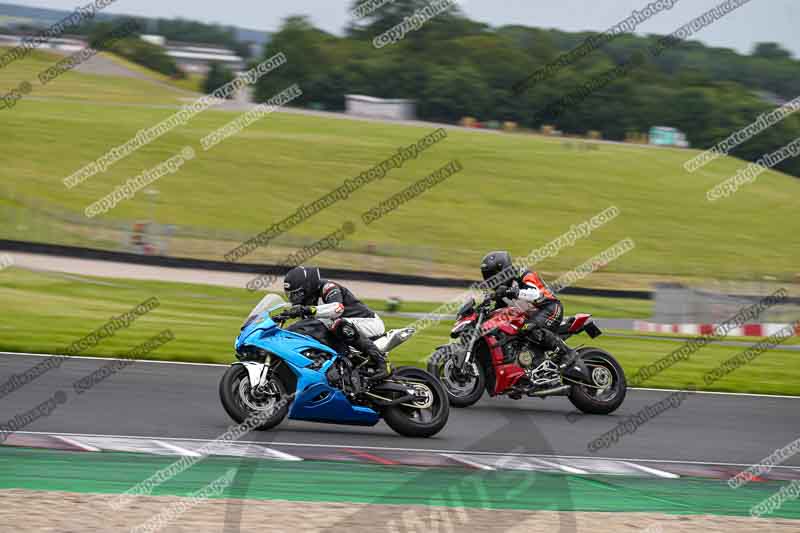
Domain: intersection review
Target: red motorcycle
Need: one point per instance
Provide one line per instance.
(493, 352)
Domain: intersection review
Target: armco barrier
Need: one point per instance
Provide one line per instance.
(252, 268)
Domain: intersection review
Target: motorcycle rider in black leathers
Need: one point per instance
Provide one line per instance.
(343, 314)
(511, 283)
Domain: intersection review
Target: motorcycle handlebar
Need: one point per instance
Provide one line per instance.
(491, 295)
(281, 317)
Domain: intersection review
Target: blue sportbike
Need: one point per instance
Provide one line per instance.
(302, 372)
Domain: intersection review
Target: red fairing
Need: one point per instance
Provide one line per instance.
(467, 319)
(505, 375)
(495, 351)
(508, 319)
(580, 321)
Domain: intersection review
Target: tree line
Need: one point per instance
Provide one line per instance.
(455, 67)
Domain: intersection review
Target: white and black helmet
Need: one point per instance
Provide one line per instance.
(302, 285)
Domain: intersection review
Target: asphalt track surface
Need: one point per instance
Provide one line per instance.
(168, 400)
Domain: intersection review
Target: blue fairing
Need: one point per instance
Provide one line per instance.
(316, 400)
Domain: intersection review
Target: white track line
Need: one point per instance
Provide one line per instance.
(99, 358)
(177, 449)
(81, 445)
(393, 449)
(277, 454)
(719, 393)
(464, 460)
(565, 468)
(653, 471)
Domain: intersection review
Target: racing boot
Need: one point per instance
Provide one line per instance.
(566, 355)
(567, 358)
(378, 360)
(363, 344)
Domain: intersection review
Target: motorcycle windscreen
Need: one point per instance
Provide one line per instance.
(268, 304)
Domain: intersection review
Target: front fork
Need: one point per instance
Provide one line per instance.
(263, 379)
(258, 374)
(466, 358)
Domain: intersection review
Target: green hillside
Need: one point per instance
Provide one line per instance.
(516, 191)
(79, 86)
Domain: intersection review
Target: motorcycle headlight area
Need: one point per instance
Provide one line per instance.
(458, 328)
(248, 352)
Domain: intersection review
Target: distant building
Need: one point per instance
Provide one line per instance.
(666, 136)
(369, 106)
(190, 57)
(197, 58)
(65, 44)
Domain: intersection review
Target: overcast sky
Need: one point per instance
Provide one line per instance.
(757, 21)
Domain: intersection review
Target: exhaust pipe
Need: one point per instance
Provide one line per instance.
(551, 392)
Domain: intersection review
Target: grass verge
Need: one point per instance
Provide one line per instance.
(45, 312)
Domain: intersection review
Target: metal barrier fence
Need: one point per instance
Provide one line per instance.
(716, 301)
(24, 218)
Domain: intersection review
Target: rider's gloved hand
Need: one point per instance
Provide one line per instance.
(507, 292)
(301, 311)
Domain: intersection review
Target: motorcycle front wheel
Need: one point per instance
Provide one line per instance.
(464, 387)
(266, 409)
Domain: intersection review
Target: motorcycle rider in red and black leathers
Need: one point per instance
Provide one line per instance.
(341, 312)
(542, 322)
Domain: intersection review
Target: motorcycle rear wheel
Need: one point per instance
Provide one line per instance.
(606, 371)
(423, 420)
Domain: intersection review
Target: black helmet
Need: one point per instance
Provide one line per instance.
(495, 262)
(301, 285)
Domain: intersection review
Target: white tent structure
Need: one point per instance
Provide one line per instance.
(369, 106)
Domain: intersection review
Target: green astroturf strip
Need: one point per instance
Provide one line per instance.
(114, 473)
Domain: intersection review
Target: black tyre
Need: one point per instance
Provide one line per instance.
(420, 419)
(464, 388)
(241, 403)
(608, 389)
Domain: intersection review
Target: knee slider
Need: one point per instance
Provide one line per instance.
(346, 330)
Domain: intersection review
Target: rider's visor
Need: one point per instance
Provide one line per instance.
(296, 296)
